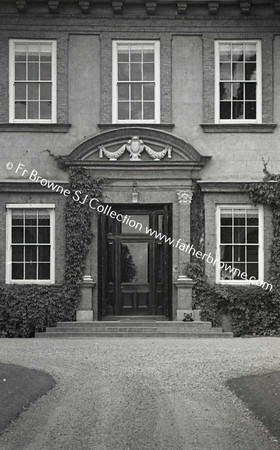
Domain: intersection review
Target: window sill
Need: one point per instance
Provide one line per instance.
(157, 126)
(35, 127)
(238, 127)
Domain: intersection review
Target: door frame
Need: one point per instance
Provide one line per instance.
(102, 243)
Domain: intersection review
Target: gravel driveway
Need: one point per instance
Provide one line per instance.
(130, 393)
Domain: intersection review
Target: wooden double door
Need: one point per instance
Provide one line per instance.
(134, 266)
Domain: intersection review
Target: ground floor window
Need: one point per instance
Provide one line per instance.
(30, 243)
(239, 243)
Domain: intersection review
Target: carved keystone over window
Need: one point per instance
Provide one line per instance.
(185, 196)
(135, 147)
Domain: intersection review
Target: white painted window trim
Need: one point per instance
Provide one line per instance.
(115, 80)
(258, 79)
(12, 43)
(261, 244)
(9, 208)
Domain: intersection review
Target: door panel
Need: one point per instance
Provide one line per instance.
(135, 267)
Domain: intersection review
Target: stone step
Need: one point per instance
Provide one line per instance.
(131, 329)
(136, 334)
(153, 324)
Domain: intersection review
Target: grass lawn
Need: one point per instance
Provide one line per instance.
(20, 386)
(261, 393)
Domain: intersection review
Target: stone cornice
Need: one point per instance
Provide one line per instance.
(224, 186)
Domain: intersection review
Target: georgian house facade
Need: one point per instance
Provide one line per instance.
(158, 98)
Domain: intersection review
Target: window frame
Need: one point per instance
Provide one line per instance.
(12, 46)
(260, 244)
(115, 44)
(258, 119)
(13, 206)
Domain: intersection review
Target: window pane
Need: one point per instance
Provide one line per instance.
(252, 253)
(237, 91)
(136, 110)
(20, 110)
(239, 235)
(250, 110)
(17, 235)
(20, 71)
(30, 234)
(44, 235)
(250, 52)
(250, 91)
(33, 91)
(17, 271)
(30, 217)
(33, 71)
(123, 54)
(237, 71)
(252, 217)
(123, 91)
(44, 271)
(45, 110)
(225, 110)
(250, 71)
(226, 234)
(123, 110)
(241, 267)
(225, 52)
(136, 91)
(20, 52)
(136, 72)
(253, 270)
(239, 253)
(226, 252)
(237, 52)
(17, 217)
(148, 72)
(225, 91)
(148, 53)
(123, 72)
(148, 92)
(45, 71)
(17, 253)
(136, 53)
(20, 91)
(239, 217)
(31, 253)
(225, 71)
(252, 235)
(237, 110)
(30, 271)
(44, 252)
(33, 110)
(45, 91)
(149, 110)
(33, 50)
(46, 56)
(43, 217)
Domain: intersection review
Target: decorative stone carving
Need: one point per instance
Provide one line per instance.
(181, 7)
(213, 6)
(84, 6)
(185, 196)
(53, 5)
(21, 5)
(151, 6)
(135, 146)
(117, 6)
(245, 6)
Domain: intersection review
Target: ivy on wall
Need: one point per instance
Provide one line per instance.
(26, 309)
(252, 309)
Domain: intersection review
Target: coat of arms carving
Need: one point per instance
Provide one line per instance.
(135, 146)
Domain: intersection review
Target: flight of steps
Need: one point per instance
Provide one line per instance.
(134, 327)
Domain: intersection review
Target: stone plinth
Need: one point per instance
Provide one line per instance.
(85, 309)
(184, 287)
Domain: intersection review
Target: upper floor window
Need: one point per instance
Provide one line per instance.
(32, 81)
(30, 243)
(239, 244)
(238, 82)
(136, 81)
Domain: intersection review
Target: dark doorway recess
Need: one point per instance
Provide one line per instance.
(134, 267)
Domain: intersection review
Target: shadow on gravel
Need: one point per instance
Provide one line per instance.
(261, 393)
(19, 387)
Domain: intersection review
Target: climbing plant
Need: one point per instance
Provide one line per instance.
(27, 309)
